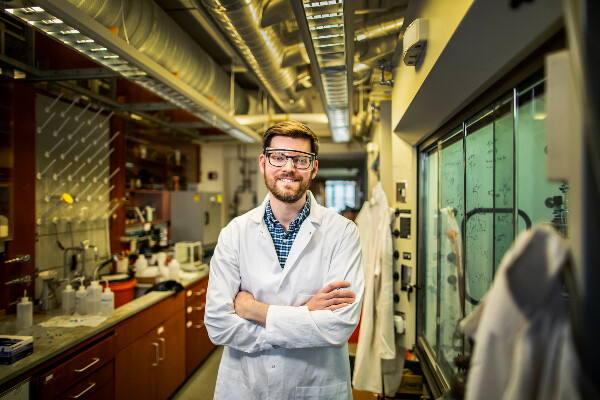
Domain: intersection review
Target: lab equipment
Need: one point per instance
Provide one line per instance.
(107, 306)
(196, 216)
(68, 300)
(94, 296)
(81, 300)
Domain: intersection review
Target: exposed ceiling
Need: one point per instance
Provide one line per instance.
(210, 69)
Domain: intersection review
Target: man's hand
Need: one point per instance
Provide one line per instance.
(246, 307)
(330, 298)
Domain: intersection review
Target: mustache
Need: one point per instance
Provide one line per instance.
(288, 176)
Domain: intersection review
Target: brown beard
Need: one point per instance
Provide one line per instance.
(287, 197)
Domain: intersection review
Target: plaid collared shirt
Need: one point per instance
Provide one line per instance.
(281, 239)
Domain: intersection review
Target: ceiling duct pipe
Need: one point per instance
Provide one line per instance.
(275, 12)
(382, 25)
(144, 25)
(262, 49)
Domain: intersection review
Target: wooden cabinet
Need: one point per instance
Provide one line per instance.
(151, 365)
(82, 375)
(198, 344)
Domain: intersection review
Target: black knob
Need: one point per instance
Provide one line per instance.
(396, 255)
(396, 298)
(396, 276)
(396, 233)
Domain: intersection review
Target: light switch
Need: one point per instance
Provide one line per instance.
(401, 191)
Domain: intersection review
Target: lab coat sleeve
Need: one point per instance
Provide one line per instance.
(297, 327)
(224, 326)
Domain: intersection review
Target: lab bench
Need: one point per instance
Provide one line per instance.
(145, 350)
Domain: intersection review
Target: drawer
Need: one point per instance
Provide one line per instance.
(58, 379)
(197, 294)
(89, 387)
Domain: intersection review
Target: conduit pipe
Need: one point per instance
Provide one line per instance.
(144, 25)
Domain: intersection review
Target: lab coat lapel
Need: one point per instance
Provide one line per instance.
(305, 234)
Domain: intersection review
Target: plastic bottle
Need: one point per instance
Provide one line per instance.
(94, 295)
(141, 264)
(24, 313)
(68, 300)
(174, 269)
(107, 307)
(81, 300)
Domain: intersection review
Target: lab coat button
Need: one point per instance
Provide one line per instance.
(273, 366)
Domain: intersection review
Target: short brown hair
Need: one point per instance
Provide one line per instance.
(293, 129)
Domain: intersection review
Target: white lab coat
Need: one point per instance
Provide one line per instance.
(301, 354)
(376, 339)
(523, 341)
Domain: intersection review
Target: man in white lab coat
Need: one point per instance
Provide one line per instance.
(286, 284)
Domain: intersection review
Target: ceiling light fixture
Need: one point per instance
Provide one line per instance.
(327, 29)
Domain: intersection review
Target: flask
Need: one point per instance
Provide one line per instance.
(107, 307)
(80, 300)
(24, 313)
(68, 300)
(174, 270)
(94, 294)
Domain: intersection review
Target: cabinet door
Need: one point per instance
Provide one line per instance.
(171, 368)
(135, 369)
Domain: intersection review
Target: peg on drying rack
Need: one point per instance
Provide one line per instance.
(47, 153)
(91, 195)
(83, 152)
(64, 112)
(40, 174)
(106, 180)
(48, 108)
(55, 176)
(104, 171)
(83, 178)
(89, 122)
(48, 197)
(72, 134)
(83, 139)
(107, 119)
(109, 140)
(100, 161)
(41, 128)
(70, 177)
(82, 111)
(56, 131)
(64, 155)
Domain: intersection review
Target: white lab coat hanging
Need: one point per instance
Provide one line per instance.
(376, 339)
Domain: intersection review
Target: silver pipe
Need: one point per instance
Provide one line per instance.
(143, 24)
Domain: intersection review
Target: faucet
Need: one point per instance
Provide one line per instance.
(114, 257)
(84, 246)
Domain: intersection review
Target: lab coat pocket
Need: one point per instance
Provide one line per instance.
(231, 384)
(338, 391)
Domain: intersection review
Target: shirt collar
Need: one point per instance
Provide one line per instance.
(269, 216)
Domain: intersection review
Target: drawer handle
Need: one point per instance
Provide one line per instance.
(200, 326)
(200, 292)
(96, 360)
(156, 355)
(164, 348)
(86, 389)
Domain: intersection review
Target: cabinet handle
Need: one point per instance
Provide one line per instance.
(200, 326)
(200, 308)
(157, 356)
(96, 360)
(86, 389)
(200, 292)
(164, 348)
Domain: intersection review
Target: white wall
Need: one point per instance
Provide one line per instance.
(471, 44)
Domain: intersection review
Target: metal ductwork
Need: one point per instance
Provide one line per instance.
(144, 25)
(261, 49)
(383, 25)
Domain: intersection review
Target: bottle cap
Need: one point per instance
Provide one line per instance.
(25, 299)
(68, 288)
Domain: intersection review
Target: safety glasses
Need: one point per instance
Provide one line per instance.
(278, 158)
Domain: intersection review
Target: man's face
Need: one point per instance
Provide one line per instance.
(287, 183)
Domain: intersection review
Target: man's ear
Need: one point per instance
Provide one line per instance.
(261, 163)
(315, 168)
